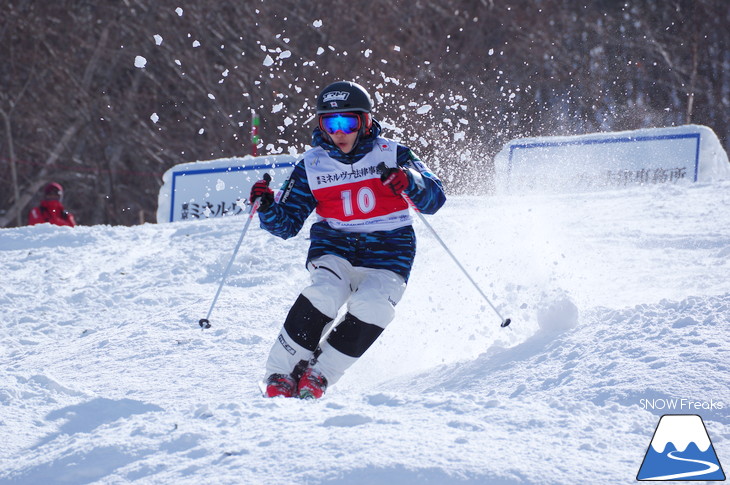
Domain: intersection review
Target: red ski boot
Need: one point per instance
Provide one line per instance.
(312, 384)
(280, 385)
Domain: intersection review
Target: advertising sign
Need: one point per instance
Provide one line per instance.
(217, 188)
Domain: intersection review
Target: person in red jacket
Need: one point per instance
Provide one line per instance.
(51, 209)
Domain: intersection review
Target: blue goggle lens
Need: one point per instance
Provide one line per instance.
(346, 123)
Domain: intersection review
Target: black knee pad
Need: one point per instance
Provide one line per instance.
(353, 336)
(305, 324)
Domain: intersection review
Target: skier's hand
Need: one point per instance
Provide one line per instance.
(395, 178)
(261, 190)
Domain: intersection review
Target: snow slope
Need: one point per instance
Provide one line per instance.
(618, 299)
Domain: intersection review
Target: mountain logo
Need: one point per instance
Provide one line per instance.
(681, 450)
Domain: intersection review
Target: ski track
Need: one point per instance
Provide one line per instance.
(711, 468)
(615, 297)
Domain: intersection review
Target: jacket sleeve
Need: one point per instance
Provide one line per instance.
(34, 217)
(70, 219)
(286, 217)
(424, 188)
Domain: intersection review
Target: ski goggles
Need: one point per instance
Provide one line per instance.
(345, 122)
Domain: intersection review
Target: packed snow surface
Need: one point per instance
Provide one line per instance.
(620, 302)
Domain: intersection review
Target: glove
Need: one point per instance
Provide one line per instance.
(261, 190)
(395, 178)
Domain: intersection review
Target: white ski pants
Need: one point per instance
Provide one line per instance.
(370, 295)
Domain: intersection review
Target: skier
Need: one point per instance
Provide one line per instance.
(362, 245)
(51, 208)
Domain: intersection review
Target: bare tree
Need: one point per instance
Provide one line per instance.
(105, 97)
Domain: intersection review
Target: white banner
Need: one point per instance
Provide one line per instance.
(216, 188)
(611, 160)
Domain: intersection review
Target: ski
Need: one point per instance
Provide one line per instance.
(262, 388)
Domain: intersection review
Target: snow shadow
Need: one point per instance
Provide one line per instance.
(76, 468)
(85, 417)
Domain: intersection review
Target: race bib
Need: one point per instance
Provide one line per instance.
(352, 197)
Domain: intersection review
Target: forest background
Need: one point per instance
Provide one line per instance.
(104, 96)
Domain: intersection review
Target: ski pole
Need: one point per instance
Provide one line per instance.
(505, 321)
(204, 322)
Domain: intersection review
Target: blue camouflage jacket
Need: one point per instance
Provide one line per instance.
(392, 250)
